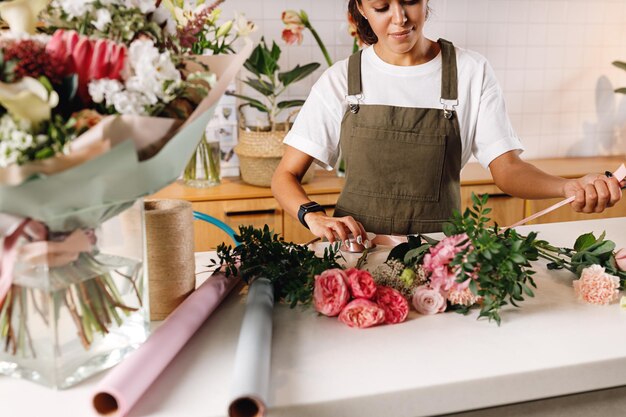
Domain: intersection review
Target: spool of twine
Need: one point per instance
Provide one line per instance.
(170, 252)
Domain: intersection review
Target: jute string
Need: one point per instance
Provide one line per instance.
(170, 252)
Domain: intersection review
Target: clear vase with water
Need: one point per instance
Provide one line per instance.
(203, 169)
(71, 313)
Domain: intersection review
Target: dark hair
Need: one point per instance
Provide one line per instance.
(363, 27)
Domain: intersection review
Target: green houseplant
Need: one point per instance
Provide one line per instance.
(260, 144)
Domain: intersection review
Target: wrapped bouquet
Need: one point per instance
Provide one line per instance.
(98, 109)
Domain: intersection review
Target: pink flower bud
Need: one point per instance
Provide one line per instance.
(620, 259)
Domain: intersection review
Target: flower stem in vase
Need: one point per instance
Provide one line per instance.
(203, 170)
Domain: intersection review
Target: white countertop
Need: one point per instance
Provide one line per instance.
(553, 345)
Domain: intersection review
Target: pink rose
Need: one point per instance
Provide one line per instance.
(393, 303)
(620, 259)
(362, 313)
(330, 293)
(361, 283)
(595, 286)
(428, 301)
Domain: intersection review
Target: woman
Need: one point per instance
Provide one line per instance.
(408, 113)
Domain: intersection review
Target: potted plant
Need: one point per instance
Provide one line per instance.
(260, 145)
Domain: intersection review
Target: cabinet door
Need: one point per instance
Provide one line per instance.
(506, 210)
(566, 214)
(295, 232)
(256, 212)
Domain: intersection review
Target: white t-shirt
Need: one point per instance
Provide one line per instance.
(486, 130)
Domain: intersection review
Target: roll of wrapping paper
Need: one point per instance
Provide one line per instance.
(170, 253)
(120, 390)
(252, 358)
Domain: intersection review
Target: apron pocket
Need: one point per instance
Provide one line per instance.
(394, 164)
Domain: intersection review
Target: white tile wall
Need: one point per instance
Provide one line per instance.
(552, 57)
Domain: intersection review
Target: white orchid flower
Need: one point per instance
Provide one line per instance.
(22, 15)
(28, 99)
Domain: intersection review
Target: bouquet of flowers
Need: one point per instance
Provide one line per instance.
(93, 117)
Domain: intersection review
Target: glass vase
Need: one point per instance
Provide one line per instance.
(64, 320)
(203, 169)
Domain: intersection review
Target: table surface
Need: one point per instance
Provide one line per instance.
(553, 345)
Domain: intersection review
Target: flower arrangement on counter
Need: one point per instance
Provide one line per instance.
(473, 266)
(80, 145)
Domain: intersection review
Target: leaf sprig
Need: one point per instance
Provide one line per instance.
(289, 266)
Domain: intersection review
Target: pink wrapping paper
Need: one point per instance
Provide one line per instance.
(120, 390)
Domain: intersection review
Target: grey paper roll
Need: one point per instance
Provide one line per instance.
(252, 358)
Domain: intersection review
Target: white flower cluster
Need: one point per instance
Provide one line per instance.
(150, 78)
(98, 12)
(15, 140)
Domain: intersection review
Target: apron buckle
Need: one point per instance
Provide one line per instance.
(353, 102)
(448, 107)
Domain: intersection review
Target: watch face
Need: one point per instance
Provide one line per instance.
(307, 206)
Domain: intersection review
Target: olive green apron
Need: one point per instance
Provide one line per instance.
(402, 164)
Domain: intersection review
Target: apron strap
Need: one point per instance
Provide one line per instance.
(354, 74)
(449, 78)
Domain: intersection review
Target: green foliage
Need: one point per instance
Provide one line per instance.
(290, 267)
(588, 250)
(499, 261)
(270, 82)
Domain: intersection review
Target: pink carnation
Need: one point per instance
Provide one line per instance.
(330, 293)
(361, 283)
(393, 303)
(463, 297)
(428, 301)
(437, 262)
(362, 313)
(620, 259)
(595, 286)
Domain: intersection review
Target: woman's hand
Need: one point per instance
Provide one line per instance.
(593, 192)
(335, 228)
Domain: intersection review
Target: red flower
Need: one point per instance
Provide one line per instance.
(292, 34)
(396, 307)
(90, 59)
(32, 60)
(361, 283)
(362, 313)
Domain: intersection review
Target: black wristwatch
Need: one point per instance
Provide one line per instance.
(310, 207)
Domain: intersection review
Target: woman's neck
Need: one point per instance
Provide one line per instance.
(424, 51)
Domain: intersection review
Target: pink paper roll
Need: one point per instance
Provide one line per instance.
(120, 390)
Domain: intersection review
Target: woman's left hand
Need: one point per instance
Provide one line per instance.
(593, 192)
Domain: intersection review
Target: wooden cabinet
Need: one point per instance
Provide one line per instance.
(237, 203)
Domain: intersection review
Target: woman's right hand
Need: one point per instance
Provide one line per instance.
(335, 228)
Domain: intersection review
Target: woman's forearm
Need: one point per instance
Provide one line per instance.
(524, 180)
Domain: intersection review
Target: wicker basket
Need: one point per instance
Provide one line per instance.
(260, 152)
